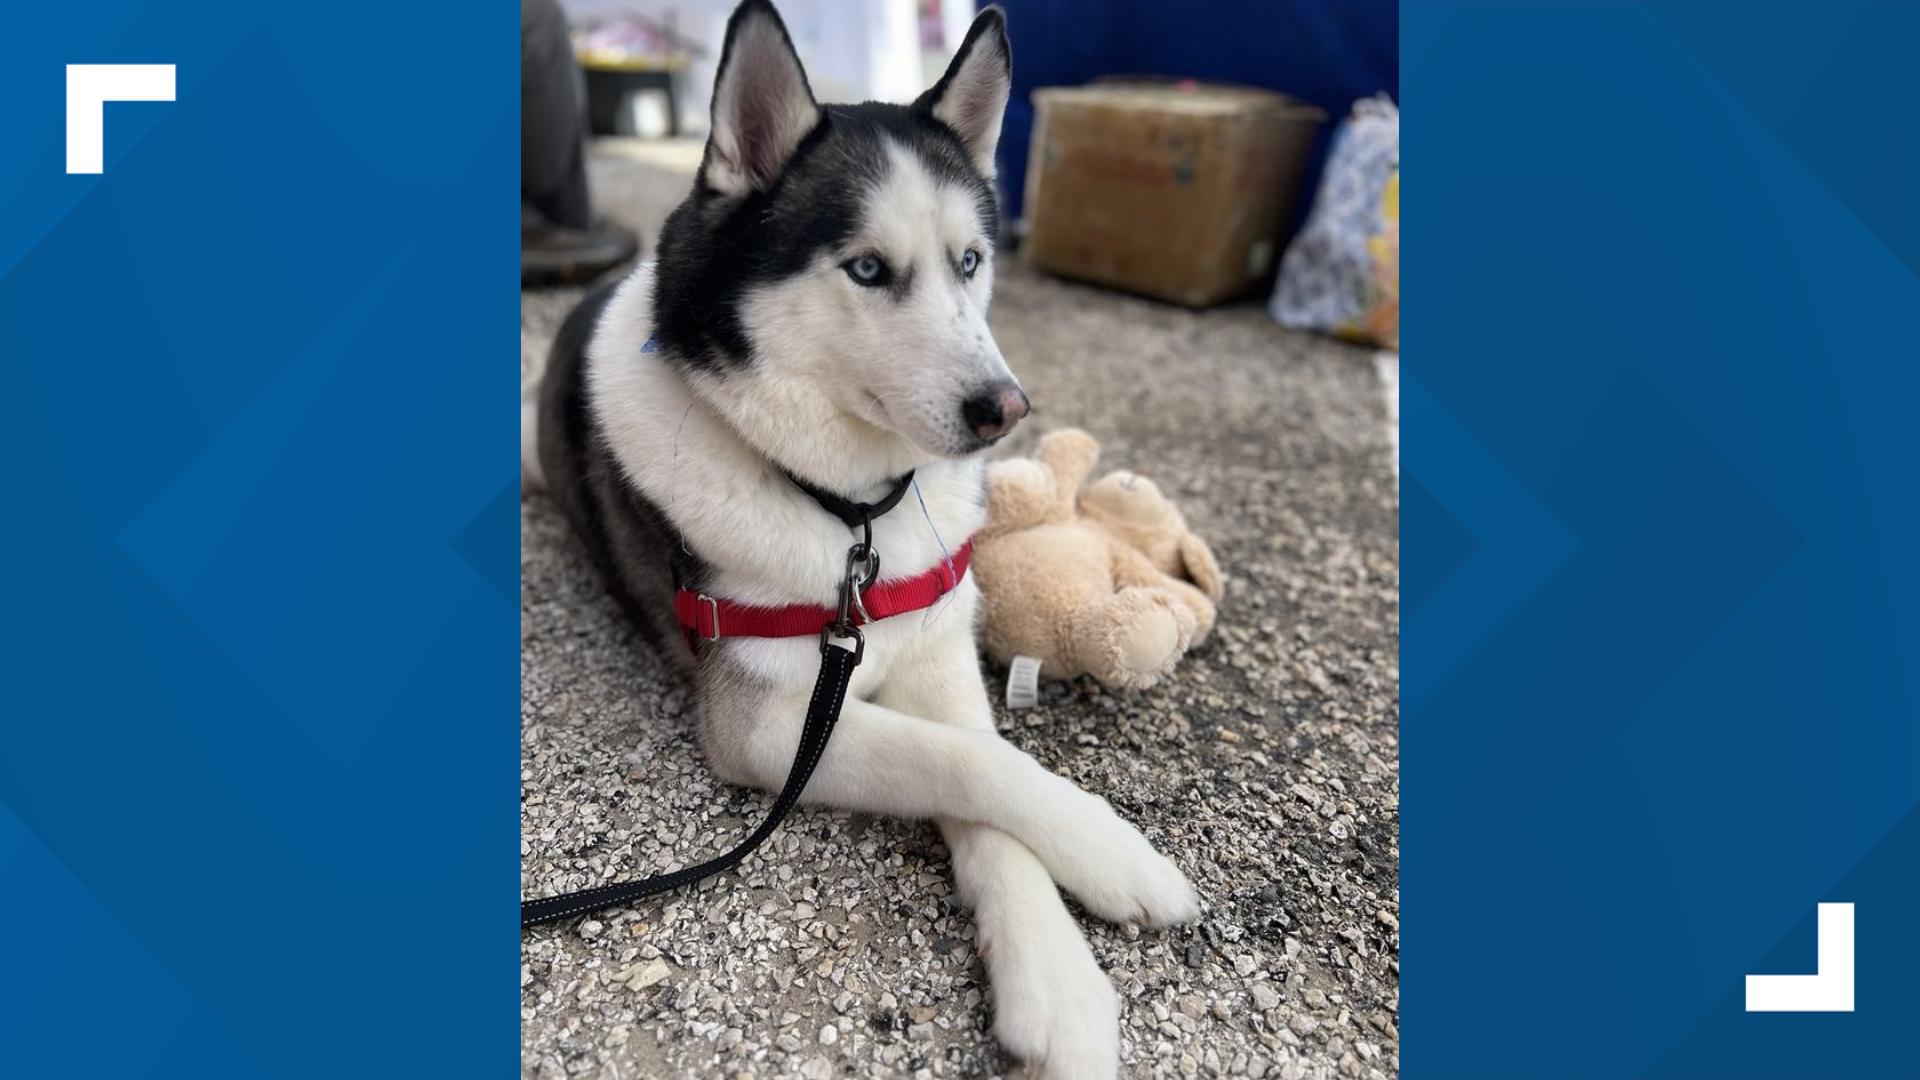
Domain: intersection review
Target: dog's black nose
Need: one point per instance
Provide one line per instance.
(994, 410)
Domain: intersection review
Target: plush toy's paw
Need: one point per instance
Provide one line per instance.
(1020, 493)
(1149, 642)
(1134, 637)
(1070, 455)
(1200, 607)
(1197, 560)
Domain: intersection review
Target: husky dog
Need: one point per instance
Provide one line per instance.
(817, 311)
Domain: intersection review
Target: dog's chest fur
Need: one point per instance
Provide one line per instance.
(755, 538)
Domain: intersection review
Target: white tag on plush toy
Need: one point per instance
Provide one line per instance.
(1023, 683)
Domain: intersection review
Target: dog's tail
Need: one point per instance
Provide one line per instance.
(533, 366)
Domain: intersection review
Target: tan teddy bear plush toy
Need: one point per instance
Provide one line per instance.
(1107, 581)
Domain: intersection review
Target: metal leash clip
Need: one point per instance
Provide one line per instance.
(863, 569)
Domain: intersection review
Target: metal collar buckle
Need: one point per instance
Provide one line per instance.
(863, 569)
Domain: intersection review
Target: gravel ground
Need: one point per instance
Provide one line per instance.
(1267, 767)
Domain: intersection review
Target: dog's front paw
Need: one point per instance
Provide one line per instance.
(1053, 1007)
(1115, 873)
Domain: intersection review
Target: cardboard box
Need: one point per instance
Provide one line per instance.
(1177, 190)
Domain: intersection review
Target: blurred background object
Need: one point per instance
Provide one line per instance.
(1179, 191)
(561, 239)
(1200, 217)
(854, 50)
(1342, 271)
(634, 64)
(1328, 53)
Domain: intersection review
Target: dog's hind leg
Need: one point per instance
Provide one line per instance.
(1054, 1007)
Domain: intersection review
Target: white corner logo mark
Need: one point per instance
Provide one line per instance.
(89, 88)
(1829, 988)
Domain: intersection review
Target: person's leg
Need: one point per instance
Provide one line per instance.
(553, 166)
(560, 241)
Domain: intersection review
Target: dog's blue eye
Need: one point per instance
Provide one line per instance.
(867, 270)
(969, 262)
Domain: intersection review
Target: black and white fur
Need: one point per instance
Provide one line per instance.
(775, 346)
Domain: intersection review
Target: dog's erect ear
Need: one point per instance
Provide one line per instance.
(762, 106)
(971, 97)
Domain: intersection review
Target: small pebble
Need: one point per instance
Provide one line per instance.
(649, 974)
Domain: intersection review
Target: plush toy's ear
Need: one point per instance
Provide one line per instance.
(971, 97)
(1201, 568)
(762, 106)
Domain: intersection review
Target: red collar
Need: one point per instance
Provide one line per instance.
(709, 619)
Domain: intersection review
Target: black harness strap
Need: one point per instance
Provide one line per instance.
(823, 711)
(855, 514)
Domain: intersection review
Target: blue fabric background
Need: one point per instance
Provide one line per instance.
(260, 753)
(1659, 527)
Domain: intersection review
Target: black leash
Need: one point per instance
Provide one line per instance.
(829, 692)
(823, 712)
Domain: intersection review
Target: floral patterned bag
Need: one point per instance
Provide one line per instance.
(1341, 274)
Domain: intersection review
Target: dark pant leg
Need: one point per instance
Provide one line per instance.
(553, 167)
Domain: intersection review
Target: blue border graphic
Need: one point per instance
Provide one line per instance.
(260, 738)
(1660, 459)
